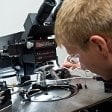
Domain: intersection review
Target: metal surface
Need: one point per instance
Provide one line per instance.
(85, 98)
(54, 93)
(7, 72)
(94, 94)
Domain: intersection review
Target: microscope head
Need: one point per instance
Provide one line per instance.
(41, 24)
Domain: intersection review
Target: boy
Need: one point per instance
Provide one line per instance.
(84, 27)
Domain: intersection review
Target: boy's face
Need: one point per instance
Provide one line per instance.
(89, 59)
(93, 60)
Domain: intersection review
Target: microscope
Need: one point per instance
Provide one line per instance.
(28, 50)
(34, 52)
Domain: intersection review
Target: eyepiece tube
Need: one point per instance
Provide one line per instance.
(45, 10)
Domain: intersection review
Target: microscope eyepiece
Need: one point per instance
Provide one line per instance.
(45, 11)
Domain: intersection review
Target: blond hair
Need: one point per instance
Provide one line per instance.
(77, 20)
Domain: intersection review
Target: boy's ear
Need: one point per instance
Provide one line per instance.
(101, 43)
